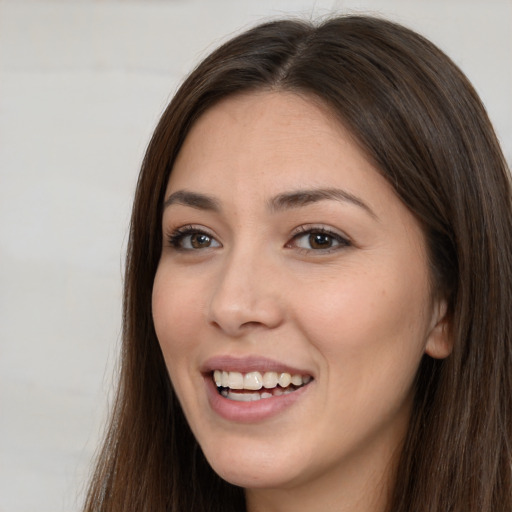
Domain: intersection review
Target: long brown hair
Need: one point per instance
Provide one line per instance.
(416, 116)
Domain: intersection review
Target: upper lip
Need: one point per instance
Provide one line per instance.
(249, 364)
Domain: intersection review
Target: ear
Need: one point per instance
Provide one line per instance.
(440, 341)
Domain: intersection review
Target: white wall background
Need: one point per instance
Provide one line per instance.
(82, 84)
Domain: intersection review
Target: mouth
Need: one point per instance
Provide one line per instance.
(255, 385)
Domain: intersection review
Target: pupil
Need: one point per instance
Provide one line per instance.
(198, 240)
(319, 241)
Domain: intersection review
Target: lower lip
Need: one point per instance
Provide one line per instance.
(250, 412)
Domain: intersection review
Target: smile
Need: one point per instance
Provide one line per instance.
(253, 386)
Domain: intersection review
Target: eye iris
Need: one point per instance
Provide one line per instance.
(199, 240)
(320, 241)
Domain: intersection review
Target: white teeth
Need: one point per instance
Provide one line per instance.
(270, 380)
(285, 379)
(243, 397)
(236, 396)
(255, 381)
(236, 380)
(296, 380)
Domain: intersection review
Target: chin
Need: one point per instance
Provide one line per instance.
(252, 478)
(253, 470)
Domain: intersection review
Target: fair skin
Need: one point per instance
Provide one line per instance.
(285, 251)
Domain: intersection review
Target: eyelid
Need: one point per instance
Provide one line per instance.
(343, 240)
(175, 236)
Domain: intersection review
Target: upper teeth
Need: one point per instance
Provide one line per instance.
(257, 380)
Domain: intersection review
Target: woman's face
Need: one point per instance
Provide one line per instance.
(292, 298)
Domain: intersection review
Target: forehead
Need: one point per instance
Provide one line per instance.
(264, 137)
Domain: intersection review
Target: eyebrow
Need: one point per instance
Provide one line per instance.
(281, 202)
(194, 200)
(298, 198)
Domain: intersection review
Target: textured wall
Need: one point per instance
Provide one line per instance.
(82, 83)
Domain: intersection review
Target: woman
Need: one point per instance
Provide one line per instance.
(318, 286)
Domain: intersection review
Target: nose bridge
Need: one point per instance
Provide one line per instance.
(246, 292)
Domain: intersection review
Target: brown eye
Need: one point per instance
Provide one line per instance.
(192, 239)
(200, 241)
(320, 241)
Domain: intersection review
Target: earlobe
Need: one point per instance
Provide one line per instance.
(440, 341)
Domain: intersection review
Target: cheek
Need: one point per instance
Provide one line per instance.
(370, 340)
(175, 315)
(367, 326)
(176, 311)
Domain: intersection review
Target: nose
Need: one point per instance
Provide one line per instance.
(247, 295)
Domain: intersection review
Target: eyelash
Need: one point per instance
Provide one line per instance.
(301, 231)
(176, 238)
